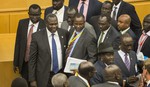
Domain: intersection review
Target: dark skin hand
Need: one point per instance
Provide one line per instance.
(132, 79)
(33, 84)
(15, 68)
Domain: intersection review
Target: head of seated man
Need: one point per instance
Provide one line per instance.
(19, 82)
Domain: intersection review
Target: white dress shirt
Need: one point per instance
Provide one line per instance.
(118, 6)
(60, 15)
(34, 27)
(124, 31)
(59, 51)
(122, 55)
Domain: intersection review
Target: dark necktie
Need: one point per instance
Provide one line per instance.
(70, 46)
(114, 13)
(55, 57)
(100, 38)
(127, 62)
(28, 43)
(82, 8)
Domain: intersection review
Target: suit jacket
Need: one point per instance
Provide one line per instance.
(112, 38)
(50, 10)
(75, 81)
(119, 62)
(99, 75)
(93, 8)
(94, 22)
(21, 41)
(85, 47)
(89, 27)
(126, 8)
(145, 48)
(40, 56)
(106, 84)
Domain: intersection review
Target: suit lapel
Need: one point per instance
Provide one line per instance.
(122, 64)
(107, 35)
(45, 40)
(146, 41)
(120, 9)
(25, 30)
(61, 37)
(80, 80)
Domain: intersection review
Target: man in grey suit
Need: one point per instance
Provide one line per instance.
(68, 24)
(86, 71)
(113, 77)
(82, 44)
(126, 59)
(47, 57)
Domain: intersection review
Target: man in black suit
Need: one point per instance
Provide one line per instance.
(126, 59)
(47, 57)
(105, 9)
(105, 57)
(91, 7)
(22, 46)
(144, 41)
(124, 26)
(86, 71)
(108, 33)
(58, 9)
(82, 44)
(112, 75)
(120, 7)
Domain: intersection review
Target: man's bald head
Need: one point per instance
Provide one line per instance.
(124, 21)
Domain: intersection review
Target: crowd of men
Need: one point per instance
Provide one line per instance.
(108, 35)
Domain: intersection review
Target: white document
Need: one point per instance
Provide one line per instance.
(72, 64)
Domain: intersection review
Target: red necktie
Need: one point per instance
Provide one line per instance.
(28, 43)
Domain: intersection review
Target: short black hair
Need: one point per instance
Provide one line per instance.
(108, 2)
(50, 15)
(35, 6)
(78, 15)
(19, 82)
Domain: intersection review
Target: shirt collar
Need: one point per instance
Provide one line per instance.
(124, 31)
(105, 32)
(50, 34)
(148, 82)
(60, 10)
(84, 79)
(113, 82)
(78, 32)
(85, 2)
(148, 33)
(123, 53)
(117, 5)
(35, 25)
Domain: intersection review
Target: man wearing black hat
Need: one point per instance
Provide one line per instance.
(105, 57)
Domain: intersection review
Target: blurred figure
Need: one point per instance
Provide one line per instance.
(86, 71)
(88, 8)
(113, 76)
(19, 82)
(60, 80)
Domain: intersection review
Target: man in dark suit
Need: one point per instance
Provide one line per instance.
(144, 41)
(120, 7)
(86, 71)
(58, 9)
(22, 46)
(68, 24)
(112, 76)
(82, 44)
(105, 57)
(124, 26)
(91, 7)
(47, 57)
(108, 33)
(106, 9)
(126, 59)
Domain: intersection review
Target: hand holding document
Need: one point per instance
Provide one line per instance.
(72, 64)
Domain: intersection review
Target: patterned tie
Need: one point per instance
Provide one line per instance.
(54, 54)
(28, 43)
(82, 8)
(100, 38)
(70, 46)
(127, 62)
(114, 13)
